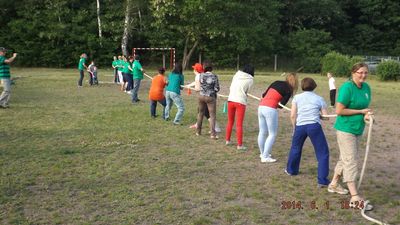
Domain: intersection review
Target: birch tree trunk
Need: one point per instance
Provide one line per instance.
(125, 36)
(99, 21)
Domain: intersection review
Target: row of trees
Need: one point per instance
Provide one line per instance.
(54, 32)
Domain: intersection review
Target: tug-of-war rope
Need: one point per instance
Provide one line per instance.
(370, 122)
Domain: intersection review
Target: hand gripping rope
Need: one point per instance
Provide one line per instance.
(371, 121)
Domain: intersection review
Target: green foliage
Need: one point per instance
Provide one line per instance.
(309, 46)
(336, 63)
(388, 70)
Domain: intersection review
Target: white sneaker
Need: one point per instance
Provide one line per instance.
(129, 92)
(261, 156)
(228, 142)
(268, 160)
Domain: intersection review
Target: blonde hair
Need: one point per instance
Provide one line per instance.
(293, 82)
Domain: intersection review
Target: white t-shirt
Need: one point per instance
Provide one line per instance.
(332, 84)
(308, 106)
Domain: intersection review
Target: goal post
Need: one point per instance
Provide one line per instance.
(171, 52)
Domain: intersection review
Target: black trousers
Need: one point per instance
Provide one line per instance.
(332, 95)
(81, 73)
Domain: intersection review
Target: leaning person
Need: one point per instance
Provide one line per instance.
(277, 92)
(352, 109)
(209, 87)
(173, 94)
(137, 77)
(305, 114)
(82, 67)
(241, 83)
(156, 93)
(5, 77)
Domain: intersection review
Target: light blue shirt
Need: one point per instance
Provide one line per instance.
(308, 106)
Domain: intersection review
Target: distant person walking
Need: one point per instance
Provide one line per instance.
(277, 92)
(5, 77)
(82, 67)
(332, 88)
(352, 109)
(156, 93)
(305, 114)
(241, 83)
(137, 78)
(209, 87)
(173, 93)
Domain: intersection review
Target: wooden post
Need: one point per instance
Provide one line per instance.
(163, 60)
(200, 57)
(275, 62)
(238, 62)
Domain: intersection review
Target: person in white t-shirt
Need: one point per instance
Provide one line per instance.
(332, 88)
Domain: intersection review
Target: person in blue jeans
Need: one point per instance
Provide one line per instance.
(173, 93)
(306, 111)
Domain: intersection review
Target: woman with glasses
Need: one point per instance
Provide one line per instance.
(352, 110)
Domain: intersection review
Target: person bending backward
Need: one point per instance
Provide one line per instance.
(173, 93)
(197, 70)
(332, 88)
(82, 67)
(277, 92)
(352, 109)
(137, 78)
(209, 87)
(156, 93)
(305, 114)
(241, 83)
(5, 77)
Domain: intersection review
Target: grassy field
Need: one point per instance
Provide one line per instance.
(86, 155)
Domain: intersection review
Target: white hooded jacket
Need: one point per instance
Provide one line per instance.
(240, 86)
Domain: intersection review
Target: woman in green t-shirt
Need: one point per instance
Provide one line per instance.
(351, 109)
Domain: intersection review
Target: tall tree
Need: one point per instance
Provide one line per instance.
(99, 20)
(125, 36)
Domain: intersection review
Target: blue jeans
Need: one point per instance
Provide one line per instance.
(153, 107)
(173, 97)
(5, 95)
(268, 125)
(318, 140)
(136, 85)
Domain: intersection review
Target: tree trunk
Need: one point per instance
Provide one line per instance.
(125, 36)
(99, 21)
(187, 55)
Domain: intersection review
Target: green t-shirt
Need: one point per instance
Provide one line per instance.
(120, 64)
(81, 66)
(126, 67)
(353, 97)
(137, 70)
(174, 82)
(4, 68)
(115, 63)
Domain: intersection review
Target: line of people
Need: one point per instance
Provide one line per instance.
(306, 110)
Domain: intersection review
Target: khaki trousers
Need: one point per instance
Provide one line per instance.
(348, 148)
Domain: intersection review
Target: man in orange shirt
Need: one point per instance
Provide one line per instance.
(156, 93)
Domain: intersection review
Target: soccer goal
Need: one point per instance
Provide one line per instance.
(164, 53)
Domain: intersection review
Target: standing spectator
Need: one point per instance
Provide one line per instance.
(332, 88)
(5, 77)
(114, 66)
(173, 93)
(92, 69)
(277, 92)
(197, 70)
(120, 67)
(352, 109)
(137, 77)
(127, 76)
(82, 67)
(156, 93)
(209, 86)
(305, 114)
(241, 83)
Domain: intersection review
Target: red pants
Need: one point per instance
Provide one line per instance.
(237, 109)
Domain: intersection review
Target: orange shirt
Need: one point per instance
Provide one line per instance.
(156, 92)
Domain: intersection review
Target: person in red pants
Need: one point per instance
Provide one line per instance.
(241, 83)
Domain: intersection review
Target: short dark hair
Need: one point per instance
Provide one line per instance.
(308, 84)
(207, 65)
(161, 70)
(248, 69)
(177, 68)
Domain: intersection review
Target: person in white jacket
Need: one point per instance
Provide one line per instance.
(241, 83)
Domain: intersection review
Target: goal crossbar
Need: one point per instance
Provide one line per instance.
(171, 50)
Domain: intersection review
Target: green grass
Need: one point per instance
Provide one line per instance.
(88, 156)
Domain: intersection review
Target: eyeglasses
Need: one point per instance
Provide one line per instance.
(366, 73)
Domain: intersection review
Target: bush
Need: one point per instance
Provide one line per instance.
(389, 70)
(338, 64)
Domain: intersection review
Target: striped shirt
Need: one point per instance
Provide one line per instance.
(4, 68)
